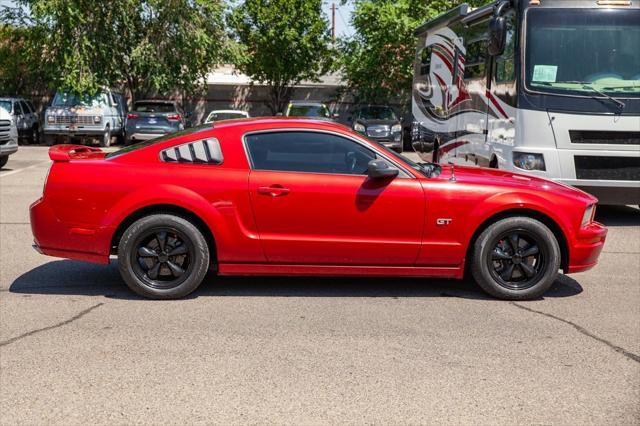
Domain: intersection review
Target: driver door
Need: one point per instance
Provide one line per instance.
(314, 204)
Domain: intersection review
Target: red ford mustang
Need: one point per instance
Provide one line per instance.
(303, 197)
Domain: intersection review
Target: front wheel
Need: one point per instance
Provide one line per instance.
(3, 161)
(163, 257)
(516, 258)
(105, 141)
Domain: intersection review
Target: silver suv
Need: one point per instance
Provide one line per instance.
(8, 137)
(25, 118)
(83, 117)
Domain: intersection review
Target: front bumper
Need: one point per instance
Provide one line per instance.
(584, 253)
(8, 148)
(73, 131)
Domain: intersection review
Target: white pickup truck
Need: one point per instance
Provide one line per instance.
(8, 137)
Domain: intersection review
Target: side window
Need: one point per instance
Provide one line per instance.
(307, 152)
(199, 152)
(425, 60)
(476, 59)
(31, 107)
(505, 70)
(25, 108)
(17, 108)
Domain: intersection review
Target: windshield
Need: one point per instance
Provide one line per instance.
(575, 51)
(154, 107)
(377, 113)
(69, 100)
(218, 116)
(6, 105)
(308, 111)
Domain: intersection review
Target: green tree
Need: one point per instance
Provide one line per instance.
(378, 60)
(284, 42)
(150, 46)
(19, 75)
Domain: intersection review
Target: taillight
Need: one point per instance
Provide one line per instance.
(131, 116)
(174, 117)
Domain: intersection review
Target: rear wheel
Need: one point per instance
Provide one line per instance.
(163, 257)
(516, 258)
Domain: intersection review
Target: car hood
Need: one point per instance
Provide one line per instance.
(510, 181)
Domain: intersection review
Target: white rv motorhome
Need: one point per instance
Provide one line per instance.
(546, 87)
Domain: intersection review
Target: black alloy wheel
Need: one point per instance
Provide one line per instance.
(517, 260)
(162, 258)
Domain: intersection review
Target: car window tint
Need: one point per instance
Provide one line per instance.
(25, 107)
(154, 107)
(308, 152)
(17, 109)
(31, 107)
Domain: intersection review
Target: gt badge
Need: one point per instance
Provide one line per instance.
(443, 221)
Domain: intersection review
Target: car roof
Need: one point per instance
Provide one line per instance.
(281, 123)
(229, 111)
(306, 103)
(11, 98)
(155, 101)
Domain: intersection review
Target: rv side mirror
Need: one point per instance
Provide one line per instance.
(497, 35)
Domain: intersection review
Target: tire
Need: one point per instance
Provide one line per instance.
(151, 271)
(35, 135)
(493, 259)
(105, 141)
(3, 161)
(399, 150)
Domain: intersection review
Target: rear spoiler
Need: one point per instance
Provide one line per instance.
(63, 153)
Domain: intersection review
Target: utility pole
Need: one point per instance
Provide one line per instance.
(333, 21)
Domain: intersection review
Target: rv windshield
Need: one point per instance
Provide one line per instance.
(583, 52)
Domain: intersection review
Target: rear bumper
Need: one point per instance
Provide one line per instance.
(584, 253)
(55, 238)
(144, 136)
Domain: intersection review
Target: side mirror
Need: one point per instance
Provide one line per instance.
(497, 30)
(380, 169)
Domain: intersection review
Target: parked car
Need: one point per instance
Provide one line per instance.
(152, 119)
(8, 136)
(306, 197)
(380, 123)
(85, 117)
(25, 118)
(225, 114)
(309, 109)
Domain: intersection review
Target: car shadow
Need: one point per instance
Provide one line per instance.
(618, 215)
(67, 277)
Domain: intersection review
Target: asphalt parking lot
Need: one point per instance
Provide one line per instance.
(77, 347)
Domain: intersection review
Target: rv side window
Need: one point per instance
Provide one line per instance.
(505, 63)
(475, 60)
(425, 60)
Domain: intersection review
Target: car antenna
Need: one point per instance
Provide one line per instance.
(453, 171)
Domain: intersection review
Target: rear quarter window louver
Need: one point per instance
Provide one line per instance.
(200, 152)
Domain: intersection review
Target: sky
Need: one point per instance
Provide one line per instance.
(343, 15)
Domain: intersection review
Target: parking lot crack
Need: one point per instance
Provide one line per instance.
(584, 331)
(51, 327)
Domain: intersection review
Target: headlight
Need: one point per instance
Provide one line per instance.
(528, 161)
(97, 119)
(396, 128)
(51, 119)
(588, 215)
(359, 128)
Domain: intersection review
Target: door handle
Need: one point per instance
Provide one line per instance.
(273, 190)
